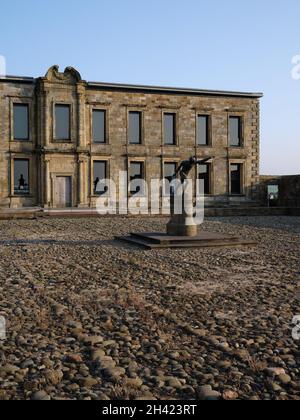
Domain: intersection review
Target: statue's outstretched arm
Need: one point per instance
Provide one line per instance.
(200, 162)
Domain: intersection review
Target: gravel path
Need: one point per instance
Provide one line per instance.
(91, 318)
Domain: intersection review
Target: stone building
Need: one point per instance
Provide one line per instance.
(284, 189)
(60, 135)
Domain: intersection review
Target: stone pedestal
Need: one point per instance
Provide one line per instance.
(182, 232)
(182, 224)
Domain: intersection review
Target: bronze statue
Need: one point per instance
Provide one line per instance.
(187, 165)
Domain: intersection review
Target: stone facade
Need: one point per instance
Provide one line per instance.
(288, 190)
(50, 159)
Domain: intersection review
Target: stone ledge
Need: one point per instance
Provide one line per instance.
(203, 240)
(230, 211)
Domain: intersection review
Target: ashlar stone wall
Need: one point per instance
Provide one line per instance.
(74, 158)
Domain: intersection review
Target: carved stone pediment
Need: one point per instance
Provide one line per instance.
(69, 76)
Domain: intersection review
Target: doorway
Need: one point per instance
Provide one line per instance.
(273, 195)
(63, 191)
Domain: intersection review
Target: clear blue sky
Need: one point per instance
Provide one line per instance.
(216, 44)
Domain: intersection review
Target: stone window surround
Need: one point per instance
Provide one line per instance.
(242, 116)
(200, 113)
(163, 161)
(106, 109)
(18, 100)
(71, 122)
(136, 160)
(130, 109)
(243, 163)
(98, 158)
(21, 156)
(177, 126)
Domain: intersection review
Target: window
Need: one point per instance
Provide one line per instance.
(169, 174)
(204, 172)
(170, 129)
(236, 179)
(203, 130)
(21, 176)
(135, 132)
(99, 126)
(62, 122)
(235, 131)
(273, 195)
(136, 175)
(100, 173)
(21, 122)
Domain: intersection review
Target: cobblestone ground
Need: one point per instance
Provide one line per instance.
(91, 318)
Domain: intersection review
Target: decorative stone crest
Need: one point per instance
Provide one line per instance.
(70, 75)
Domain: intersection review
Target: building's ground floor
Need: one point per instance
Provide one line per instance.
(75, 180)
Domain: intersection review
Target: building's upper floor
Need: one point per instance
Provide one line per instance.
(63, 112)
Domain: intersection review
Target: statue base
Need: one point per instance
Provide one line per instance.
(182, 232)
(182, 226)
(201, 240)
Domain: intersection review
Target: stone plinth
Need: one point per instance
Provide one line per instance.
(182, 232)
(182, 224)
(203, 240)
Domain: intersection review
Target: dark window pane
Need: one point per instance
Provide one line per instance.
(136, 174)
(169, 173)
(169, 170)
(202, 134)
(100, 173)
(62, 122)
(135, 127)
(170, 128)
(235, 128)
(21, 176)
(235, 172)
(204, 174)
(21, 122)
(99, 126)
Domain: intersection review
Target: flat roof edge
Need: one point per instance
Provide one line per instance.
(16, 79)
(188, 91)
(145, 88)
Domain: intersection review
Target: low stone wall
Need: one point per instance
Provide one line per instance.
(289, 190)
(209, 212)
(252, 211)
